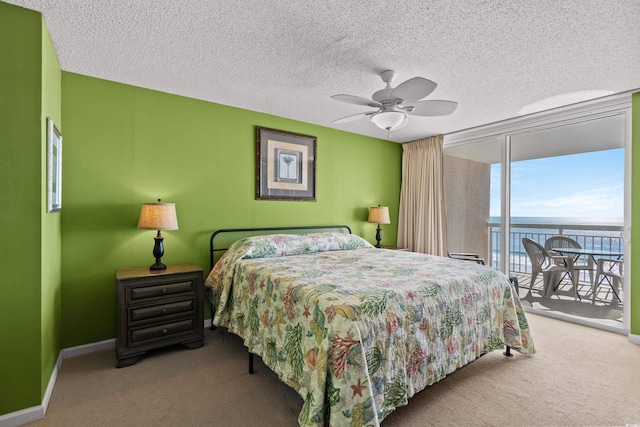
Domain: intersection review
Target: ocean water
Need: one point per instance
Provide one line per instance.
(588, 235)
(562, 220)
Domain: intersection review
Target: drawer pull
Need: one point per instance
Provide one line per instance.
(164, 310)
(164, 331)
(164, 290)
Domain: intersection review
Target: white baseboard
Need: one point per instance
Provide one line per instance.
(22, 417)
(34, 413)
(28, 415)
(634, 338)
(88, 348)
(52, 382)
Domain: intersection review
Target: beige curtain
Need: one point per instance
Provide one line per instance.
(422, 223)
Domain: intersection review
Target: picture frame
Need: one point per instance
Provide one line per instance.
(285, 165)
(54, 167)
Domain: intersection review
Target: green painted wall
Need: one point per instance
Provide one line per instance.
(30, 258)
(635, 215)
(125, 145)
(51, 237)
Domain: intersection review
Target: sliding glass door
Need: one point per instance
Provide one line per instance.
(541, 178)
(568, 180)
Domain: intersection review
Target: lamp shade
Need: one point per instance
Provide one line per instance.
(379, 215)
(158, 216)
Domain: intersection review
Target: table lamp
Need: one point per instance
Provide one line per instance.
(380, 215)
(158, 216)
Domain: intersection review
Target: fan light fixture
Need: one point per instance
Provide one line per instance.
(395, 105)
(388, 120)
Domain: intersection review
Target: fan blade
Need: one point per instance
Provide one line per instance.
(432, 108)
(414, 89)
(358, 100)
(354, 117)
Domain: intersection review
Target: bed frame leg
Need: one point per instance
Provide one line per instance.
(251, 363)
(213, 327)
(508, 352)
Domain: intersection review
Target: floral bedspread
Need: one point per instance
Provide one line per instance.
(355, 330)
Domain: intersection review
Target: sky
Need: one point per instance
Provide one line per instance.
(586, 185)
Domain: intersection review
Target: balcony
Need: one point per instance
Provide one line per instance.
(606, 310)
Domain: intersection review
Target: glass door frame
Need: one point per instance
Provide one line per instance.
(588, 110)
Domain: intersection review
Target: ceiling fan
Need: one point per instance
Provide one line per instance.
(395, 104)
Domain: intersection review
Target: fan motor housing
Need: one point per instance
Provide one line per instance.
(383, 96)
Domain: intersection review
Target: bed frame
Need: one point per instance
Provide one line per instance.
(257, 232)
(269, 230)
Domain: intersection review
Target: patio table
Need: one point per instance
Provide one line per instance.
(592, 253)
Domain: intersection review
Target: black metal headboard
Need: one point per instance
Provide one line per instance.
(266, 230)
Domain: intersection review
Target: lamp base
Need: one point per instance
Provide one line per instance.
(158, 252)
(378, 237)
(158, 266)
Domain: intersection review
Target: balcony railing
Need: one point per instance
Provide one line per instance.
(599, 237)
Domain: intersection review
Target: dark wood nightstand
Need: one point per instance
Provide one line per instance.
(158, 308)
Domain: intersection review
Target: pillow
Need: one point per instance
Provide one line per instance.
(278, 245)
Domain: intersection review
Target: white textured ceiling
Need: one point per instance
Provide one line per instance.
(288, 57)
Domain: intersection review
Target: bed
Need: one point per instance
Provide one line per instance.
(356, 330)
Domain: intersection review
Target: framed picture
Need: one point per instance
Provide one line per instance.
(285, 165)
(54, 167)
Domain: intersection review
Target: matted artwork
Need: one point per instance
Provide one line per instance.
(54, 167)
(285, 165)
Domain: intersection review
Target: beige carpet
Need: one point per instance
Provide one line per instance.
(580, 376)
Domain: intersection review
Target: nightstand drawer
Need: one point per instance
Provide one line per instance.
(161, 331)
(137, 314)
(158, 308)
(159, 290)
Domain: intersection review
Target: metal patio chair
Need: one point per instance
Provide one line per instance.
(466, 256)
(610, 270)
